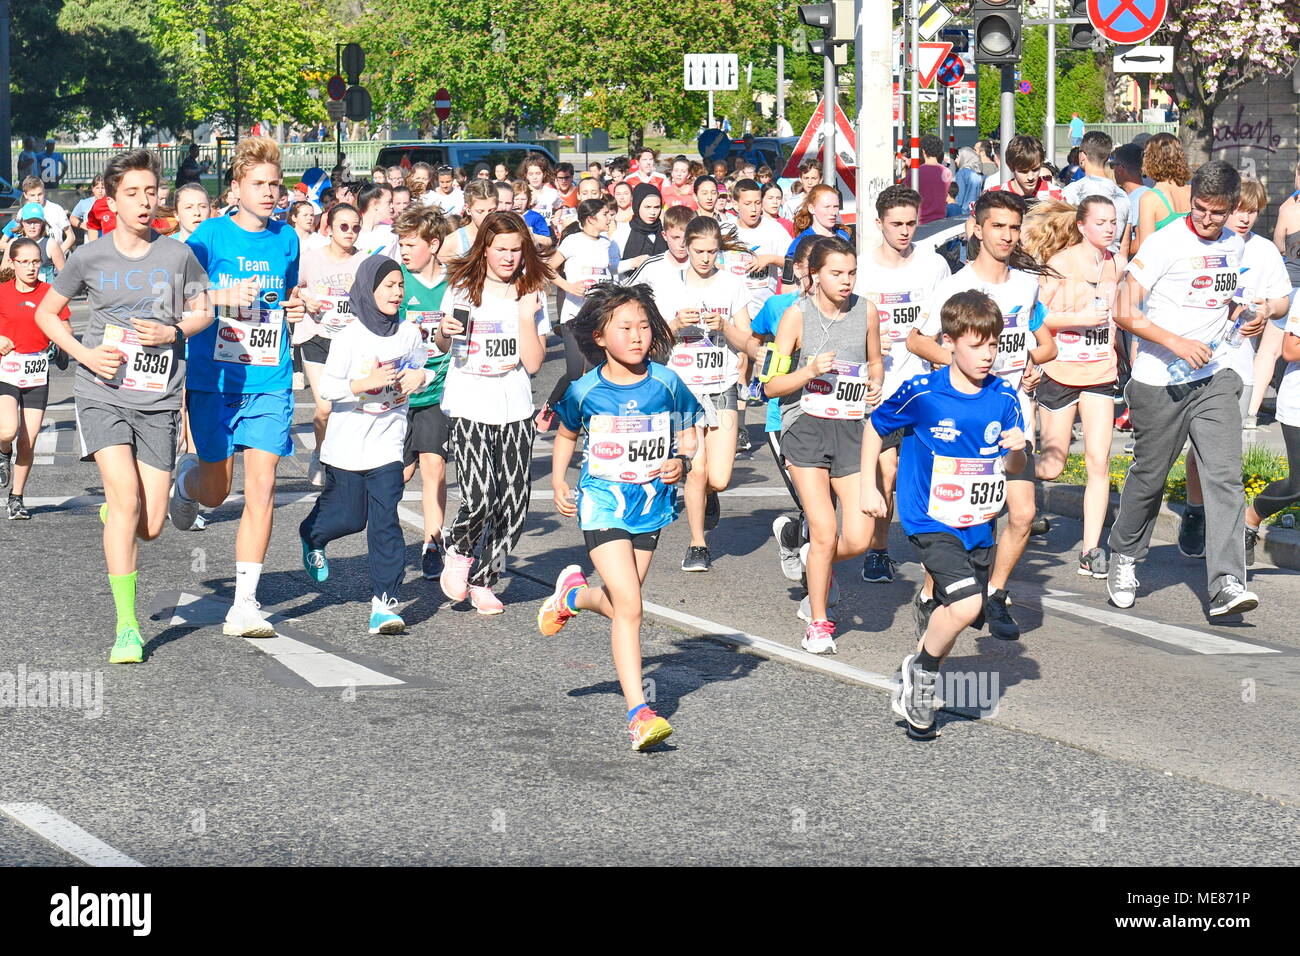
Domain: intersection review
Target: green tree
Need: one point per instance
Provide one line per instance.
(1080, 85)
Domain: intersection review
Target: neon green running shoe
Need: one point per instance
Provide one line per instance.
(129, 648)
(103, 513)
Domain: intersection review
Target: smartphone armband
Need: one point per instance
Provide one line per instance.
(772, 363)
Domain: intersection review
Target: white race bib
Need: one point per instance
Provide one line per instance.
(698, 361)
(493, 346)
(379, 400)
(1091, 344)
(252, 340)
(427, 323)
(899, 313)
(965, 492)
(145, 369)
(1013, 345)
(336, 314)
(840, 394)
(25, 369)
(1214, 286)
(630, 449)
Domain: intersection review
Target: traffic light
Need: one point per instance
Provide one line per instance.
(836, 22)
(1082, 35)
(997, 31)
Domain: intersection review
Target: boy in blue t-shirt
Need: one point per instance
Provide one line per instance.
(963, 433)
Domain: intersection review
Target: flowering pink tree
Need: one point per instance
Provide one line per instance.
(1220, 46)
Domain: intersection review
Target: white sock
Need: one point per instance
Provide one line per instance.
(247, 574)
(181, 484)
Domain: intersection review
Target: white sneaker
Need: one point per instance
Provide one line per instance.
(245, 619)
(1121, 580)
(315, 475)
(819, 638)
(183, 510)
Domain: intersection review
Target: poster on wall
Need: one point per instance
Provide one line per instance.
(961, 101)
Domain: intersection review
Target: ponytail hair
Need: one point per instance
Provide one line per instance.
(803, 218)
(1052, 226)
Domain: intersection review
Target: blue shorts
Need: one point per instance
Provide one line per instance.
(223, 424)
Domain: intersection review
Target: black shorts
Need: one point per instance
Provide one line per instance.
(824, 443)
(427, 431)
(37, 397)
(316, 350)
(893, 440)
(1055, 397)
(958, 573)
(644, 541)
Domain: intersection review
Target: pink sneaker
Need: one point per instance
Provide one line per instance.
(455, 576)
(484, 601)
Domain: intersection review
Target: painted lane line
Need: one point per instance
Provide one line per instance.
(1198, 642)
(317, 667)
(66, 835)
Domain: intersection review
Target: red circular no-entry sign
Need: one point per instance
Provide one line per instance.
(336, 87)
(1127, 21)
(442, 103)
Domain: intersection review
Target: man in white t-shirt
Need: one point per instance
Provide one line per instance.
(1093, 155)
(1184, 278)
(445, 195)
(898, 278)
(766, 241)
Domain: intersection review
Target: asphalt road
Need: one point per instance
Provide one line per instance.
(1140, 737)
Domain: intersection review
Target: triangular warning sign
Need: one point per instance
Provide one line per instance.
(810, 146)
(930, 58)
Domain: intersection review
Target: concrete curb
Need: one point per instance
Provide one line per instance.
(1278, 547)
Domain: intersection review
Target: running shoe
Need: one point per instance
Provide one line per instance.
(1121, 580)
(922, 608)
(697, 559)
(554, 612)
(6, 468)
(315, 474)
(60, 358)
(915, 700)
(245, 619)
(183, 510)
(1191, 533)
(128, 648)
(712, 511)
(432, 560)
(17, 511)
(647, 729)
(484, 601)
(1123, 422)
(819, 638)
(103, 513)
(743, 446)
(1039, 526)
(314, 562)
(454, 579)
(1092, 563)
(786, 531)
(383, 619)
(545, 419)
(877, 567)
(1252, 539)
(1232, 598)
(1250, 423)
(1001, 624)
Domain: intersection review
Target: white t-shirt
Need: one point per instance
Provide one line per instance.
(493, 399)
(367, 431)
(315, 241)
(658, 272)
(451, 204)
(1080, 189)
(722, 292)
(585, 259)
(900, 295)
(1288, 393)
(56, 219)
(380, 241)
(1262, 274)
(545, 200)
(1190, 282)
(768, 238)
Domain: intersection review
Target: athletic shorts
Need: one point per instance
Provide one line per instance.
(427, 431)
(641, 541)
(1055, 397)
(893, 440)
(712, 404)
(824, 443)
(223, 424)
(36, 397)
(151, 434)
(957, 572)
(316, 350)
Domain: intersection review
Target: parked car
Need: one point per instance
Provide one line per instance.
(9, 195)
(463, 153)
(771, 151)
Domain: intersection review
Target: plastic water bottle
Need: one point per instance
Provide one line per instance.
(1245, 315)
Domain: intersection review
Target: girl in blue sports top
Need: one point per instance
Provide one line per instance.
(633, 410)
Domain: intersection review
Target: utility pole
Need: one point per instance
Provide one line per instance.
(1049, 120)
(780, 82)
(6, 119)
(829, 99)
(1007, 128)
(873, 68)
(916, 98)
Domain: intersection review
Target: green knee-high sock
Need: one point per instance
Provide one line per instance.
(123, 586)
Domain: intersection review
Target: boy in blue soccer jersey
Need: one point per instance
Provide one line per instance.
(963, 434)
(634, 411)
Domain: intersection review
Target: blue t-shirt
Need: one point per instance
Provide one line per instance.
(766, 323)
(537, 223)
(82, 209)
(938, 419)
(638, 508)
(231, 253)
(810, 231)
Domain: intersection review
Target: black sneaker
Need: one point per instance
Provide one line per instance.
(877, 567)
(17, 511)
(1232, 598)
(712, 511)
(1092, 563)
(431, 561)
(1191, 533)
(1252, 538)
(697, 559)
(6, 468)
(743, 446)
(1001, 624)
(1039, 526)
(921, 611)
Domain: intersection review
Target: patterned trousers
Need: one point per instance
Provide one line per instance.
(492, 469)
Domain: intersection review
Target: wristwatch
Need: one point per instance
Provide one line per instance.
(180, 335)
(686, 463)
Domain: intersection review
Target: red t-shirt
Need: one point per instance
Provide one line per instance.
(1046, 190)
(100, 217)
(673, 196)
(18, 316)
(656, 180)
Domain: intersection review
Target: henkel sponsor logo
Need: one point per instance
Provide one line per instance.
(232, 334)
(819, 386)
(1202, 282)
(475, 347)
(681, 361)
(949, 492)
(11, 366)
(128, 382)
(1212, 303)
(607, 450)
(1069, 337)
(966, 519)
(629, 476)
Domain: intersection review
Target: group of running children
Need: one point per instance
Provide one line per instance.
(892, 373)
